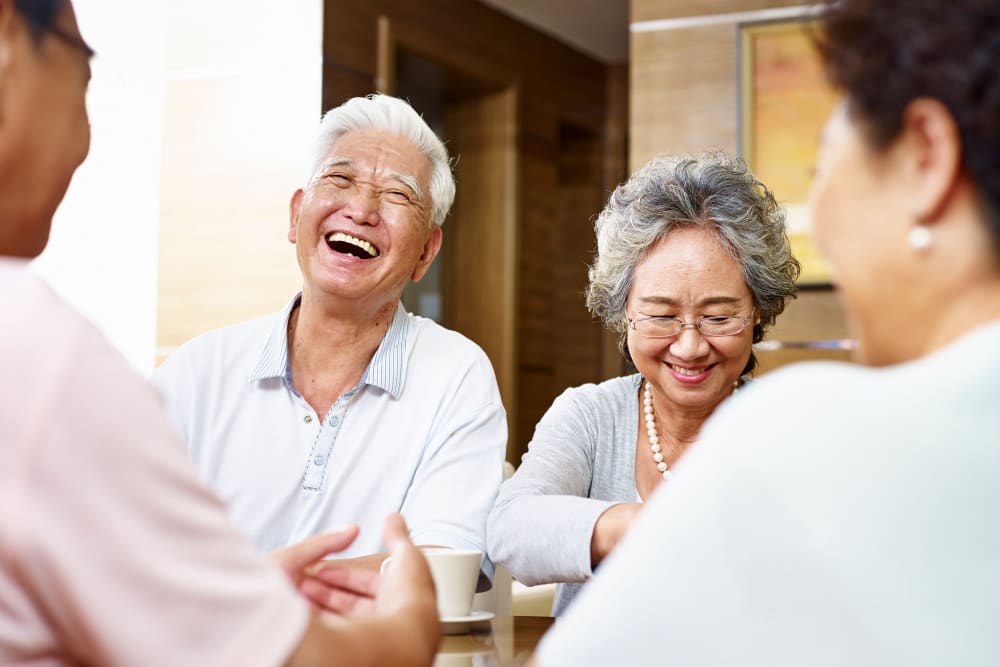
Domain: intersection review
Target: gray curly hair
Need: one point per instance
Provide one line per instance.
(713, 191)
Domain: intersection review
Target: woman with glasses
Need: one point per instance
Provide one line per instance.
(692, 266)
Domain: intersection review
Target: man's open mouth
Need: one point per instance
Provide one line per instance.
(351, 245)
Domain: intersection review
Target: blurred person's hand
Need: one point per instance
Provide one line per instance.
(298, 560)
(369, 618)
(342, 587)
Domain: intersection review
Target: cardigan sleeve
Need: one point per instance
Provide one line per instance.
(541, 525)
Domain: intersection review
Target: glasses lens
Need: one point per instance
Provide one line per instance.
(721, 326)
(658, 328)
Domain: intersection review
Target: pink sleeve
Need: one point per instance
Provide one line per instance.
(130, 560)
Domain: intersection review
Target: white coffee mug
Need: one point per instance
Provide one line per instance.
(455, 573)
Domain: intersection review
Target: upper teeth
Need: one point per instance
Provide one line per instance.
(347, 238)
(686, 371)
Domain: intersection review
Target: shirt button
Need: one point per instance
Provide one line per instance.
(318, 460)
(334, 421)
(307, 419)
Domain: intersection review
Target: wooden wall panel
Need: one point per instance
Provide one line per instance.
(536, 396)
(479, 286)
(473, 37)
(538, 147)
(537, 243)
(683, 92)
(653, 10)
(578, 337)
(816, 315)
(616, 160)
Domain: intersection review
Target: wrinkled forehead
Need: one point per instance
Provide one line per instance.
(379, 154)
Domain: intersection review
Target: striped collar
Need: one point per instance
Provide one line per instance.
(386, 370)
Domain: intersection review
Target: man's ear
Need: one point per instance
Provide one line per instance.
(931, 146)
(293, 214)
(431, 248)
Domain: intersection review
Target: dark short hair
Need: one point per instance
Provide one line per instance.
(885, 53)
(40, 15)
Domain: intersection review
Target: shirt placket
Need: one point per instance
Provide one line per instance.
(319, 455)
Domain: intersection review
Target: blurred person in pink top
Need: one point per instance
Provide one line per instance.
(111, 551)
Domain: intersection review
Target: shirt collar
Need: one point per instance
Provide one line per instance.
(387, 369)
(272, 362)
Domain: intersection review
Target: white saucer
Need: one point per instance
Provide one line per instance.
(457, 625)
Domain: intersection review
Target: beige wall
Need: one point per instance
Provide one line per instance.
(241, 105)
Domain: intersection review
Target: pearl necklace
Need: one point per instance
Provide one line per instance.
(654, 437)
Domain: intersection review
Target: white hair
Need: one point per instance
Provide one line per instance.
(391, 114)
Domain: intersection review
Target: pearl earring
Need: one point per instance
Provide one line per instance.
(920, 238)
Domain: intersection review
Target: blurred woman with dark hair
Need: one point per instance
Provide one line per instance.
(841, 514)
(111, 551)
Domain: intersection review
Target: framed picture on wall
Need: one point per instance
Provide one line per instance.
(784, 102)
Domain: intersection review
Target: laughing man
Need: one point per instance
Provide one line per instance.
(342, 407)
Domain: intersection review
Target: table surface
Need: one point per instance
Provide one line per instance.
(494, 643)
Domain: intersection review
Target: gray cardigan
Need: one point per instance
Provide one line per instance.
(580, 461)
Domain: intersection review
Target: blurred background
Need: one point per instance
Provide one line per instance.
(203, 114)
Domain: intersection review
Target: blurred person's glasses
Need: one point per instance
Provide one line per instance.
(30, 12)
(667, 327)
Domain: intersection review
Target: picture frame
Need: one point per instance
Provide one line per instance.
(784, 101)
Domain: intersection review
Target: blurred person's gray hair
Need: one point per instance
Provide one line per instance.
(391, 114)
(713, 191)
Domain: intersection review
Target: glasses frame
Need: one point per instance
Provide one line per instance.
(694, 325)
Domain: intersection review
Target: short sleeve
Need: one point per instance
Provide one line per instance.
(456, 483)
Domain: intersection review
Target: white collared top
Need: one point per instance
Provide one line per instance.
(424, 433)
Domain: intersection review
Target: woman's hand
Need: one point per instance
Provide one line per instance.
(609, 530)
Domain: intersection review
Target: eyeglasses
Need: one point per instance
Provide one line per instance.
(667, 327)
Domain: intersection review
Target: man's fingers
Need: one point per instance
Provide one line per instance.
(294, 558)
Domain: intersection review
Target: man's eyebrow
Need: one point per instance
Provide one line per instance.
(326, 165)
(410, 183)
(405, 179)
(335, 161)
